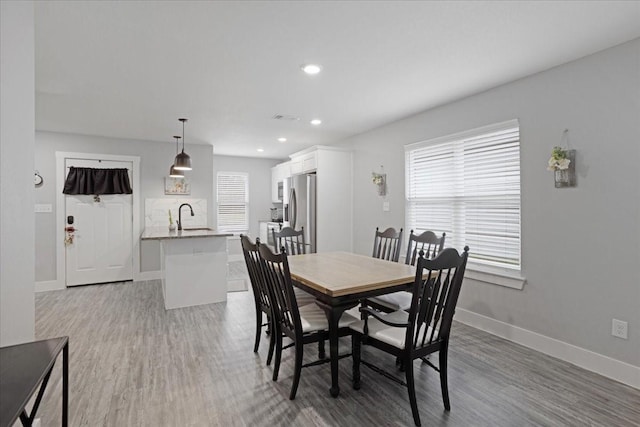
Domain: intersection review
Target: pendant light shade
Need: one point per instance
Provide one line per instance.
(173, 172)
(183, 161)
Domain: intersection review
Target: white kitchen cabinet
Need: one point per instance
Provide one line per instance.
(296, 166)
(275, 175)
(304, 163)
(309, 162)
(279, 173)
(333, 167)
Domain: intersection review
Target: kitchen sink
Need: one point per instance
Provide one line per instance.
(197, 229)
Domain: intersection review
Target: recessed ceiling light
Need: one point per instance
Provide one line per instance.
(260, 150)
(282, 139)
(316, 122)
(311, 69)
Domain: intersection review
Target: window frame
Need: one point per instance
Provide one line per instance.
(499, 275)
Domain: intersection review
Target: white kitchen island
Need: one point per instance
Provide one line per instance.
(194, 265)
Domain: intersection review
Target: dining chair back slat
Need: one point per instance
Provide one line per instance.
(427, 242)
(291, 240)
(386, 244)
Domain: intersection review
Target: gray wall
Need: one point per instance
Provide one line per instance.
(155, 160)
(259, 171)
(17, 115)
(580, 246)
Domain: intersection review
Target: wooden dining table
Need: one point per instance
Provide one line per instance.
(339, 280)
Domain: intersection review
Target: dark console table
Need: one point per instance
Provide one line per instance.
(22, 368)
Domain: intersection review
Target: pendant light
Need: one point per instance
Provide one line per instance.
(173, 173)
(183, 161)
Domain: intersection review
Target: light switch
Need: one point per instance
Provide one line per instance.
(46, 208)
(385, 206)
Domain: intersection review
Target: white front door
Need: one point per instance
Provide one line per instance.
(101, 250)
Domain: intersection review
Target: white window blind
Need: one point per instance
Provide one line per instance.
(468, 186)
(233, 201)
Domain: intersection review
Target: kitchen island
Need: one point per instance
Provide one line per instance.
(193, 264)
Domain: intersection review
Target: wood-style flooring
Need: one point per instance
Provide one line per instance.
(132, 363)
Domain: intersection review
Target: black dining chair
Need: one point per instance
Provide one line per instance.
(386, 244)
(302, 324)
(430, 245)
(423, 330)
(261, 297)
(294, 244)
(290, 239)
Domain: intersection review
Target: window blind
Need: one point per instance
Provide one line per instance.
(468, 186)
(233, 201)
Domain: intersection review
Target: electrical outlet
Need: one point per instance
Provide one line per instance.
(619, 328)
(385, 206)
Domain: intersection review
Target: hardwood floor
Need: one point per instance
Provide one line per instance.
(132, 363)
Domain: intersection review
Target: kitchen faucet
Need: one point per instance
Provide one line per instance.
(180, 214)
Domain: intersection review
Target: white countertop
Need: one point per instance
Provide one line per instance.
(161, 233)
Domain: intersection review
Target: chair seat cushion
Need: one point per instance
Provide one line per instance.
(389, 334)
(395, 301)
(313, 318)
(303, 298)
(392, 335)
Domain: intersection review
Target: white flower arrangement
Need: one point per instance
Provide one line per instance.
(377, 178)
(559, 159)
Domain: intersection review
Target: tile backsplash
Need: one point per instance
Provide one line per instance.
(156, 212)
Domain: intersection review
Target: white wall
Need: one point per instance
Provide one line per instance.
(155, 160)
(580, 246)
(17, 116)
(259, 171)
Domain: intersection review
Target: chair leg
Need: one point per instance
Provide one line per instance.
(272, 344)
(356, 346)
(298, 369)
(258, 329)
(321, 353)
(412, 390)
(443, 378)
(278, 336)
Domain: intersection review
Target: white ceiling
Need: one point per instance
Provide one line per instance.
(131, 69)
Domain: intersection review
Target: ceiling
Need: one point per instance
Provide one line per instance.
(131, 69)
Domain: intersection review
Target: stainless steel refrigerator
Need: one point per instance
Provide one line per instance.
(300, 207)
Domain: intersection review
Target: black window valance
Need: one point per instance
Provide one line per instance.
(97, 181)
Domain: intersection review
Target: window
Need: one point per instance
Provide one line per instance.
(233, 201)
(468, 186)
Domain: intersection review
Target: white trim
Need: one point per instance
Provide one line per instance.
(149, 275)
(61, 156)
(316, 148)
(49, 285)
(587, 359)
(511, 280)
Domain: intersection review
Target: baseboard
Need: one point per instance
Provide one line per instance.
(149, 275)
(48, 285)
(603, 365)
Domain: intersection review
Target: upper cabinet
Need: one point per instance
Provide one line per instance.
(278, 174)
(303, 163)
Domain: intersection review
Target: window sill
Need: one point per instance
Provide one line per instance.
(511, 280)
